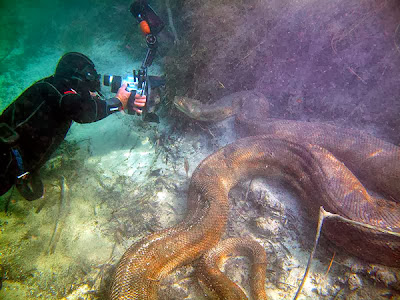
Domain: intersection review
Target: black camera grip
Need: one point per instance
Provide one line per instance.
(131, 103)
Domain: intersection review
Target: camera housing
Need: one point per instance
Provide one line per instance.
(138, 83)
(141, 10)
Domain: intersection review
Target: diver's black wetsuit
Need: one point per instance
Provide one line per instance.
(42, 116)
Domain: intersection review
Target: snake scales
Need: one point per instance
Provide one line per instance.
(320, 161)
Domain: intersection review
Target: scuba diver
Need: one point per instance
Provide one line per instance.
(36, 122)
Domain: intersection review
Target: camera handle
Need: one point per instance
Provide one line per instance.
(152, 45)
(131, 103)
(142, 89)
(150, 25)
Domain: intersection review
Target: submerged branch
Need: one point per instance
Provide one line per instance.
(322, 215)
(171, 22)
(62, 214)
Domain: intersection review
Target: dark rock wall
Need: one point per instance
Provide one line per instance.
(320, 59)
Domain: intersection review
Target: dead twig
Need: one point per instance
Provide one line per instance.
(207, 130)
(248, 190)
(338, 38)
(62, 214)
(358, 76)
(322, 215)
(395, 34)
(330, 264)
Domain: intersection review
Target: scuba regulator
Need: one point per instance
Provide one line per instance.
(140, 82)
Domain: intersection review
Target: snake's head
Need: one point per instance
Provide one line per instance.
(186, 105)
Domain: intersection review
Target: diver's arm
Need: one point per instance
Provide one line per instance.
(88, 108)
(112, 105)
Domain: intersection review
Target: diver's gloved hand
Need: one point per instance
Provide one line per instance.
(123, 95)
(140, 101)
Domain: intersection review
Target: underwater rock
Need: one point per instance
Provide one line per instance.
(267, 226)
(384, 275)
(354, 281)
(358, 268)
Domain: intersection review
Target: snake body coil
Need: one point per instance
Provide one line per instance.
(320, 161)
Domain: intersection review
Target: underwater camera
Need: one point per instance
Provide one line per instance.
(139, 83)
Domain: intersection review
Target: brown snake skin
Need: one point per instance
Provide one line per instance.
(217, 284)
(320, 161)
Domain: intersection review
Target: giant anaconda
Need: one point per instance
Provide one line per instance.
(320, 161)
